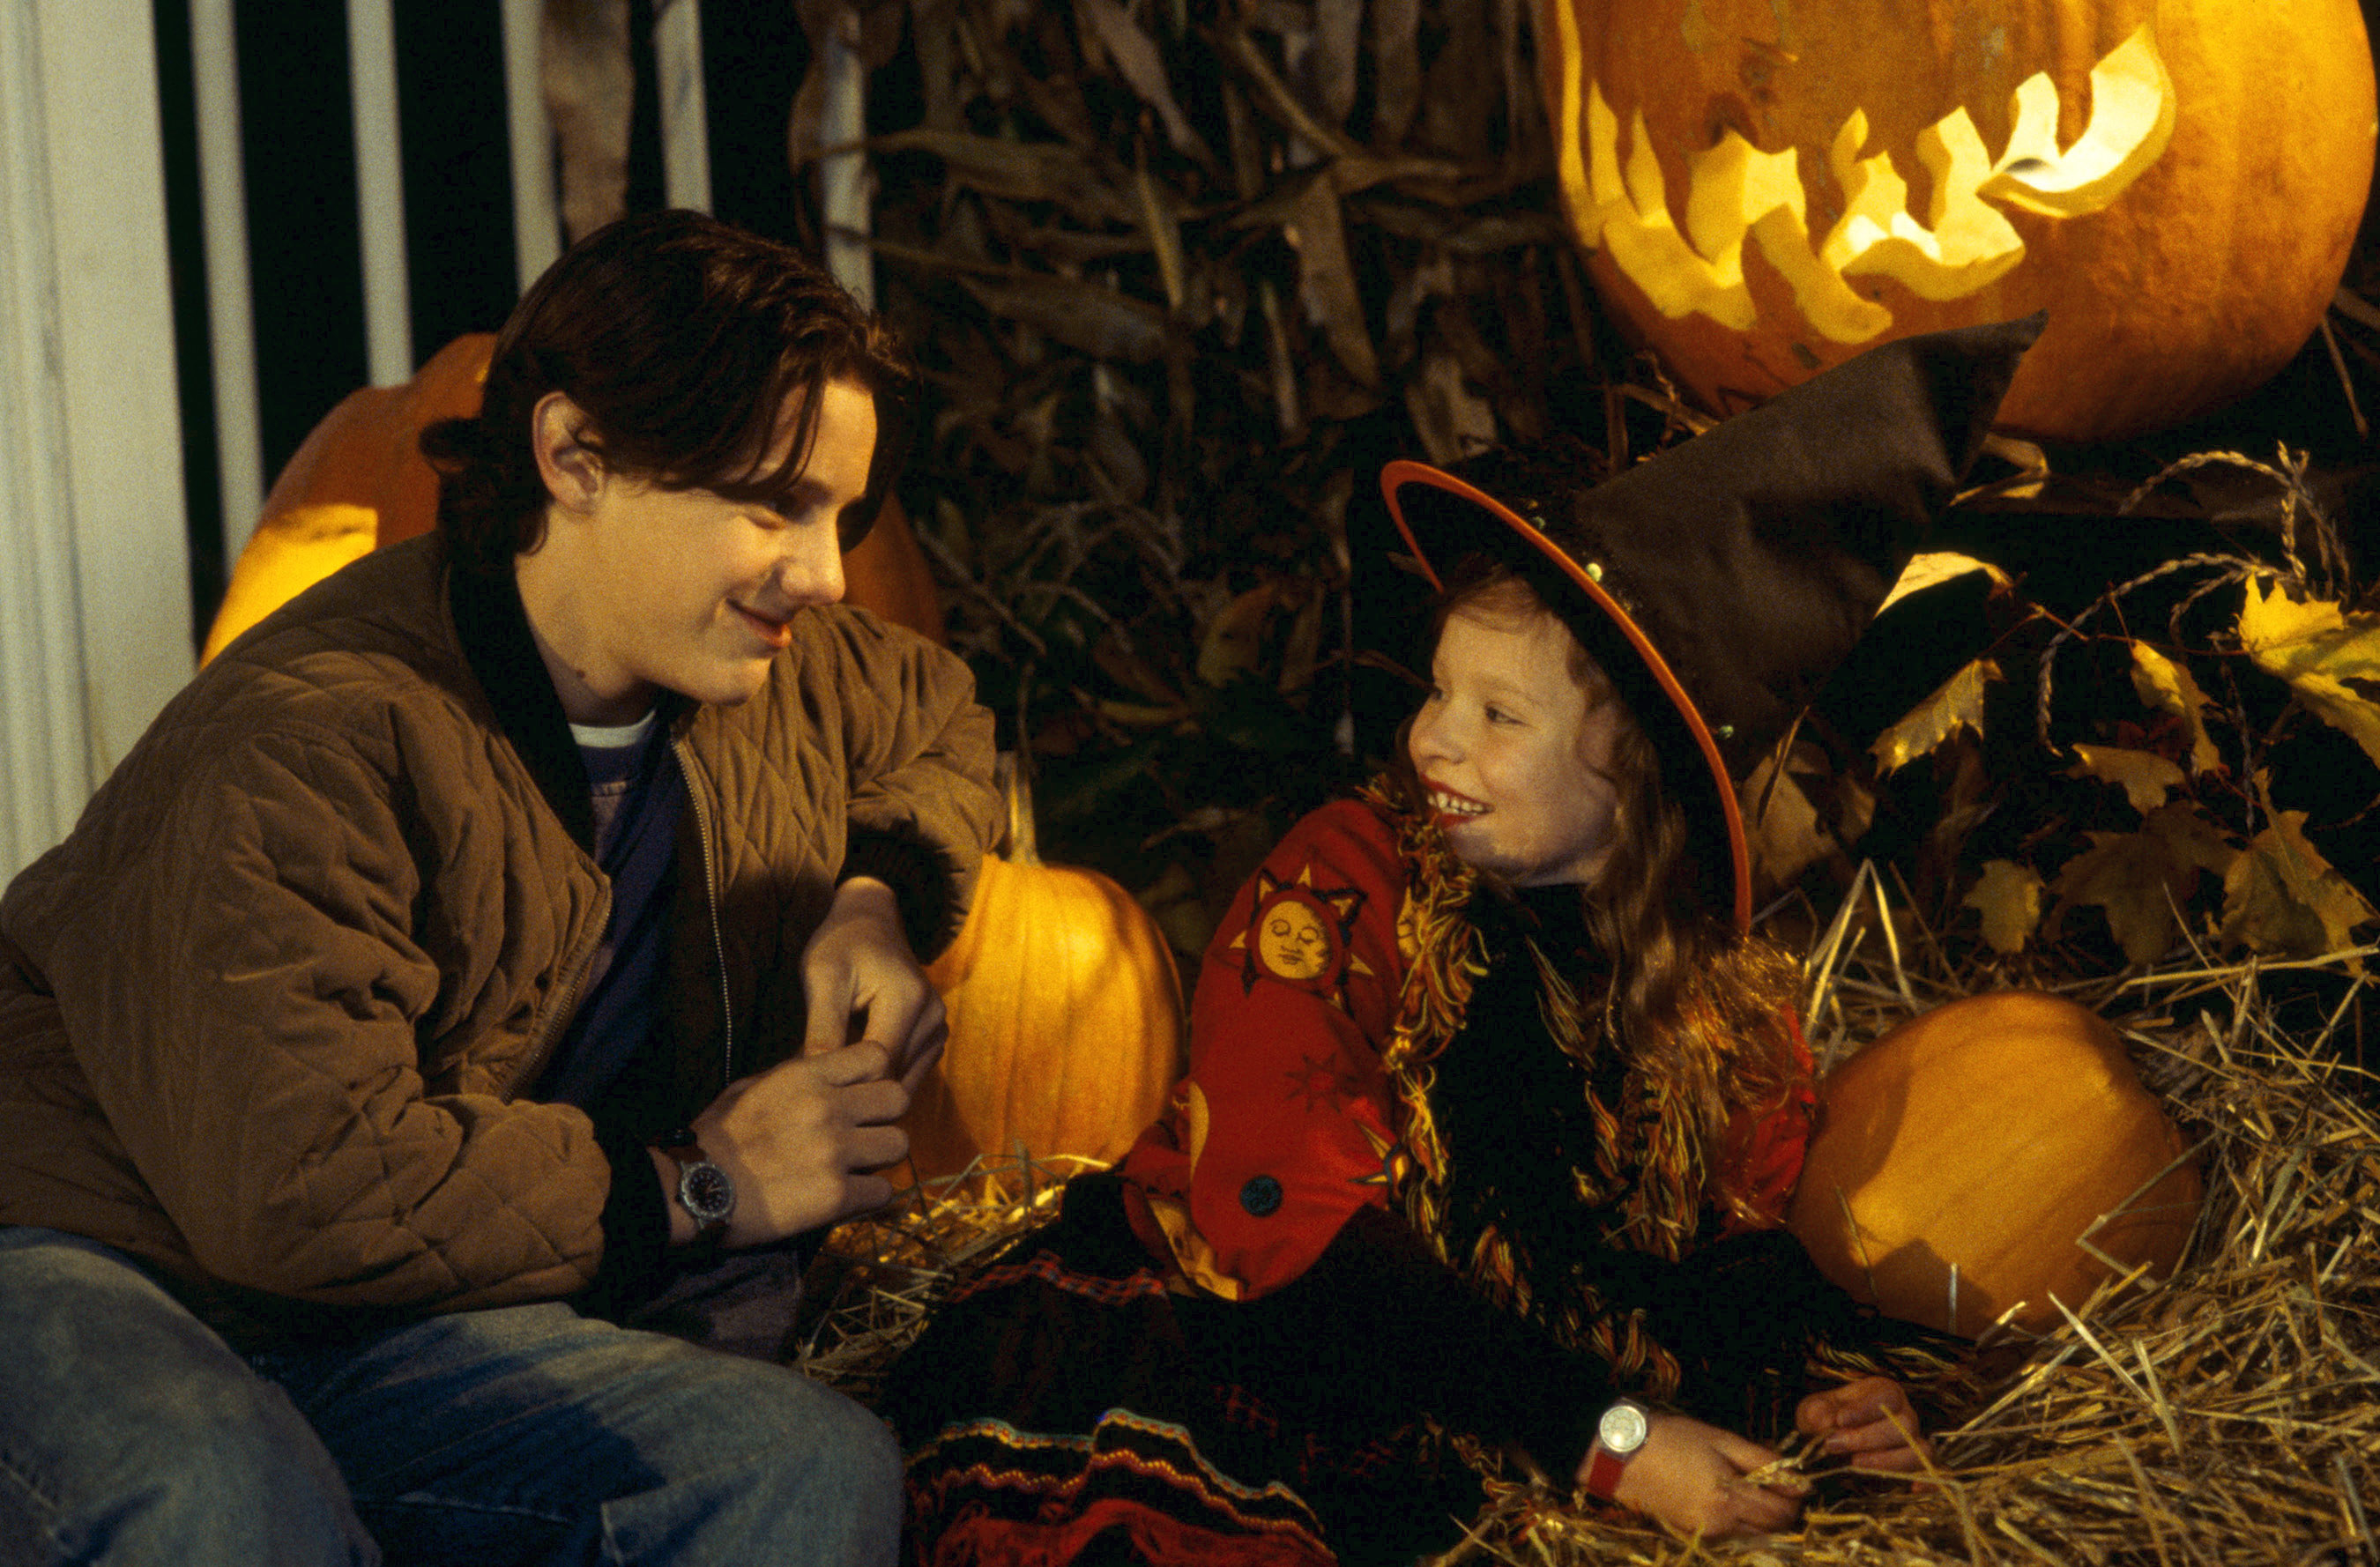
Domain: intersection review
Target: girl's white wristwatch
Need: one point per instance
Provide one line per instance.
(1618, 1435)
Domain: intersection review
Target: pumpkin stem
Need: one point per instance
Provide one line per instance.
(1008, 772)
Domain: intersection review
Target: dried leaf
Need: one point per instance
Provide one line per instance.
(1956, 704)
(2135, 878)
(1338, 27)
(1326, 284)
(2191, 838)
(2318, 649)
(1021, 171)
(1118, 661)
(1164, 236)
(1089, 317)
(1273, 94)
(2009, 897)
(1782, 825)
(1931, 567)
(1396, 67)
(2168, 687)
(1235, 637)
(1136, 56)
(1304, 646)
(2144, 776)
(2282, 897)
(1453, 422)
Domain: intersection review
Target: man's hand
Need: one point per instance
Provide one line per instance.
(1689, 1477)
(858, 967)
(1871, 1420)
(801, 1141)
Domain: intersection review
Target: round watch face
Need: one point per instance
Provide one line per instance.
(1622, 1428)
(706, 1193)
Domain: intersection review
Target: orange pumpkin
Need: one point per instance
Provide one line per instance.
(1066, 1017)
(359, 481)
(1766, 189)
(1968, 1156)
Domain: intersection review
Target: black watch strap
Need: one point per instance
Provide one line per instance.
(703, 1189)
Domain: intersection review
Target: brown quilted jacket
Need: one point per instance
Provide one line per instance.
(265, 1014)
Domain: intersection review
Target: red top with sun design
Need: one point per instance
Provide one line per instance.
(1283, 1126)
(1288, 1122)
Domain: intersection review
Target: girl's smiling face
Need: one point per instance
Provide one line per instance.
(1515, 751)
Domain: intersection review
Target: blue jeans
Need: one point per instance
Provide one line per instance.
(130, 1433)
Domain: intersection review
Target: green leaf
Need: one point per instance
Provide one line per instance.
(1956, 704)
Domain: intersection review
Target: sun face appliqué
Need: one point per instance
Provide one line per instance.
(1297, 934)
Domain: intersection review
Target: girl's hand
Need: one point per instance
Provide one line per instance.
(1871, 1420)
(1689, 1477)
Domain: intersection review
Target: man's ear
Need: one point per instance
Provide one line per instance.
(572, 470)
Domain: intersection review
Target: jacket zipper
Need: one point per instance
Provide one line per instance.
(718, 933)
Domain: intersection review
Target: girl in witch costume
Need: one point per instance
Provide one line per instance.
(1493, 1104)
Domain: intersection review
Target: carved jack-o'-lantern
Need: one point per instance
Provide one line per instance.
(1768, 187)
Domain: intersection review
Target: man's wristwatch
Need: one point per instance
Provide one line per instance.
(1618, 1435)
(703, 1189)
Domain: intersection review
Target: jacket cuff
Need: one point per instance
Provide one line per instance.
(924, 884)
(635, 1223)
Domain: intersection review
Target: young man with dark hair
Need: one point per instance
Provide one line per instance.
(511, 933)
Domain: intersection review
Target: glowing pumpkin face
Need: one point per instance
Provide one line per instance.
(1769, 187)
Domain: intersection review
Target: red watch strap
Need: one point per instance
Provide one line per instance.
(1603, 1471)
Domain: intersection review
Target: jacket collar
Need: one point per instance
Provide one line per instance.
(493, 627)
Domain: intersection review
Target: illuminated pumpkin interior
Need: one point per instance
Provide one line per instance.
(1736, 191)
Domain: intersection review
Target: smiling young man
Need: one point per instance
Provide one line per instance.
(515, 936)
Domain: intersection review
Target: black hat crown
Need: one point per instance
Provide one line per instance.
(1719, 582)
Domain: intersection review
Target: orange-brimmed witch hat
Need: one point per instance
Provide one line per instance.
(1719, 582)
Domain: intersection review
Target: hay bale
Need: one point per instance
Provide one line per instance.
(2229, 1413)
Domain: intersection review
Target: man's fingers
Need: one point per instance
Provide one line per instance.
(864, 1062)
(828, 1028)
(914, 1076)
(875, 1103)
(873, 1148)
(862, 1193)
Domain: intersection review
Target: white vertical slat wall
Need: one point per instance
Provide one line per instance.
(686, 144)
(537, 218)
(231, 316)
(379, 190)
(95, 631)
(94, 599)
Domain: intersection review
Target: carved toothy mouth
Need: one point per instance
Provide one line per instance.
(1740, 196)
